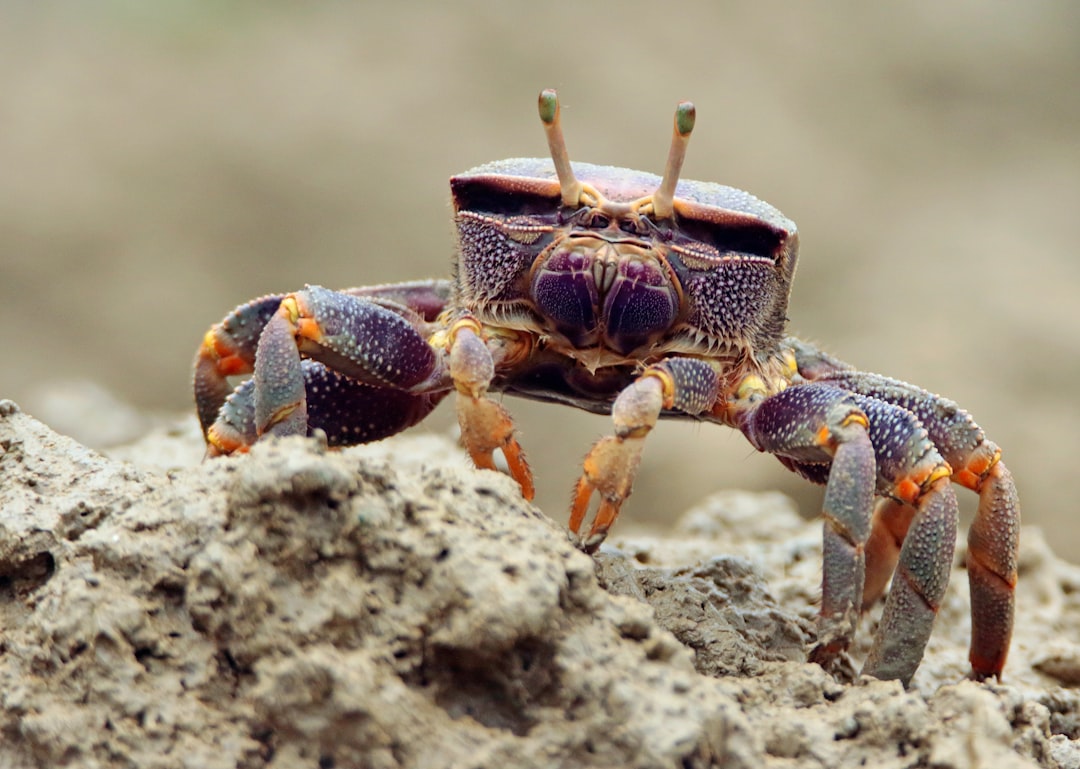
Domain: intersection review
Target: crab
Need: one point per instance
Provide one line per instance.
(643, 297)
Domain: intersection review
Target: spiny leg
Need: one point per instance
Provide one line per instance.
(994, 537)
(909, 470)
(688, 385)
(806, 426)
(918, 586)
(280, 395)
(485, 425)
(228, 349)
(848, 498)
(993, 544)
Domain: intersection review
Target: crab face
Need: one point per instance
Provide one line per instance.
(623, 262)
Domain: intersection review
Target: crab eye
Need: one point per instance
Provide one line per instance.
(495, 195)
(599, 221)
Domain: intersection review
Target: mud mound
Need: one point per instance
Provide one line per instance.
(297, 607)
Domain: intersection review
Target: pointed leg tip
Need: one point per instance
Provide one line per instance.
(519, 467)
(591, 542)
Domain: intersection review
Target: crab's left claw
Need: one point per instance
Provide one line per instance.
(689, 385)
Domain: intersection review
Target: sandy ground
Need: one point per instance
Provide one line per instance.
(165, 161)
(389, 606)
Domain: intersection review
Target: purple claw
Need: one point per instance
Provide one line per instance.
(370, 352)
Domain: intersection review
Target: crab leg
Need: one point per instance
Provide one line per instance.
(814, 424)
(800, 426)
(922, 575)
(228, 349)
(689, 385)
(485, 425)
(848, 498)
(994, 537)
(993, 543)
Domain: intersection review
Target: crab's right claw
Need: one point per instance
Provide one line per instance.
(612, 463)
(485, 425)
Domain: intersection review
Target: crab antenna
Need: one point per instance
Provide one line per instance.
(549, 114)
(664, 198)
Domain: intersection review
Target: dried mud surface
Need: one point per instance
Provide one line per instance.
(389, 607)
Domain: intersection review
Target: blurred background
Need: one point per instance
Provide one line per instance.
(162, 162)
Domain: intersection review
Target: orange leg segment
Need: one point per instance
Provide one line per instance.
(888, 529)
(993, 543)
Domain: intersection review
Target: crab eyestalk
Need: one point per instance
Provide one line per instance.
(664, 198)
(549, 114)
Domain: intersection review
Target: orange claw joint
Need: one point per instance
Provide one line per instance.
(664, 197)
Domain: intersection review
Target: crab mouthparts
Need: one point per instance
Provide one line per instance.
(594, 291)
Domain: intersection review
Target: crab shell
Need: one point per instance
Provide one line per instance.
(729, 258)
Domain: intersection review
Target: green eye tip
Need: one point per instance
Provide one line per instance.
(685, 115)
(549, 105)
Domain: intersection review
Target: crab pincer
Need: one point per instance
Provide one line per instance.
(687, 386)
(485, 425)
(316, 353)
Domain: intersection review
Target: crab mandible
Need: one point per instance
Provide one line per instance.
(619, 292)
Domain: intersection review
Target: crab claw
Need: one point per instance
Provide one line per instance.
(609, 470)
(612, 463)
(485, 425)
(687, 385)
